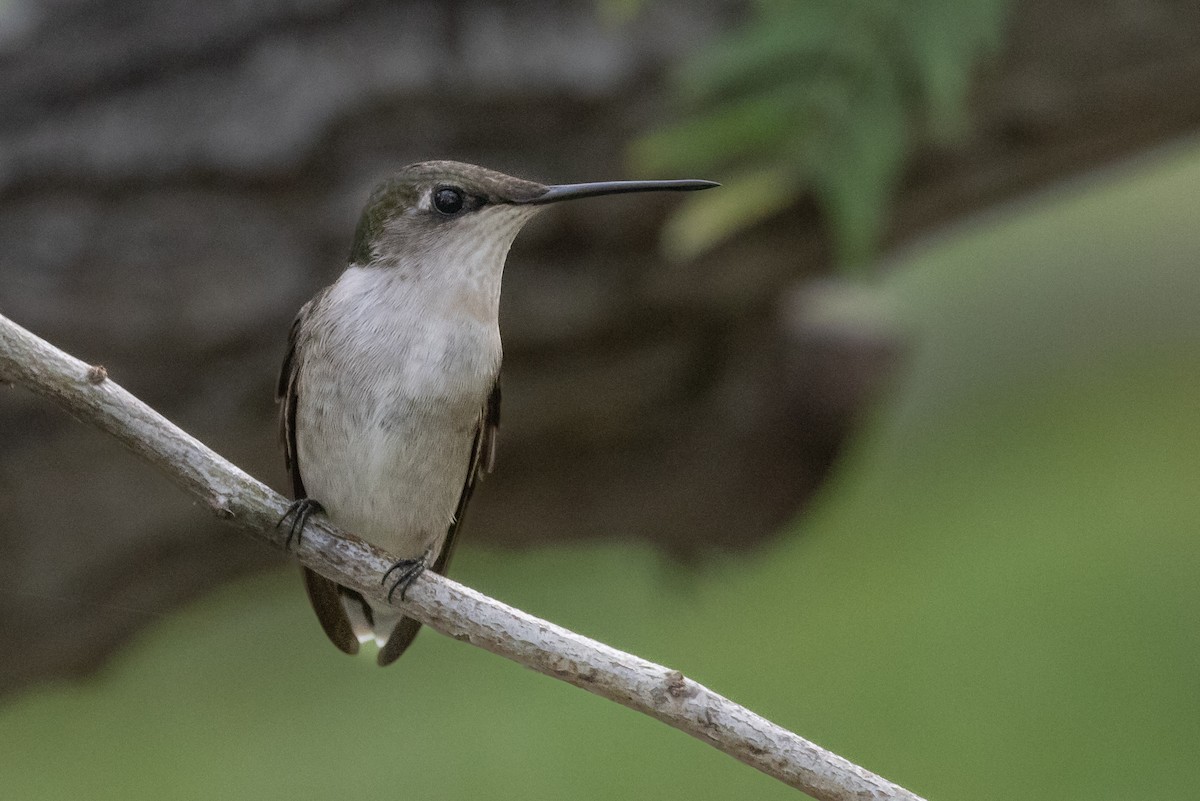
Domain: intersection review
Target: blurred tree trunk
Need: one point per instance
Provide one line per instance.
(176, 179)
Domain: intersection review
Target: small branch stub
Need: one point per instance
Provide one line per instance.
(677, 685)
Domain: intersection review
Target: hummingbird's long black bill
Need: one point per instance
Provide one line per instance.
(553, 194)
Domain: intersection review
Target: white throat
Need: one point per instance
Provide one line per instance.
(457, 273)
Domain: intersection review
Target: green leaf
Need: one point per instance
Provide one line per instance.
(833, 94)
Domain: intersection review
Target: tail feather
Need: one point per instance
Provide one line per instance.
(401, 637)
(326, 598)
(349, 619)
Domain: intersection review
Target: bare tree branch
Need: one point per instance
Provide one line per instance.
(454, 610)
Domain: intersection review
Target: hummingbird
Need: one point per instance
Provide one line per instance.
(390, 390)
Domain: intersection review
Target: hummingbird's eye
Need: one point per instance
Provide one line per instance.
(448, 200)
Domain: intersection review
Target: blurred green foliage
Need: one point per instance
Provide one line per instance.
(995, 598)
(821, 96)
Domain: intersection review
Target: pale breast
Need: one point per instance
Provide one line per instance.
(386, 416)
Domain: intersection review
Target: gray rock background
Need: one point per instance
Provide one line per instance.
(177, 178)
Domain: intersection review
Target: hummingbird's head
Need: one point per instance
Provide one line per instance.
(447, 212)
(438, 209)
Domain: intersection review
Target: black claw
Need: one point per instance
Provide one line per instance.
(408, 570)
(300, 510)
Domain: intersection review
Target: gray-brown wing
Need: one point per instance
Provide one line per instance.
(324, 595)
(286, 396)
(483, 459)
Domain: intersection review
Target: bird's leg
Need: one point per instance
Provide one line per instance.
(406, 571)
(299, 512)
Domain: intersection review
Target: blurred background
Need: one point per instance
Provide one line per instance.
(893, 439)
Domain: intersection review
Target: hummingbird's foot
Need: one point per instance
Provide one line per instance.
(299, 512)
(406, 572)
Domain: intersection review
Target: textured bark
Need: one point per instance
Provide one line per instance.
(177, 178)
